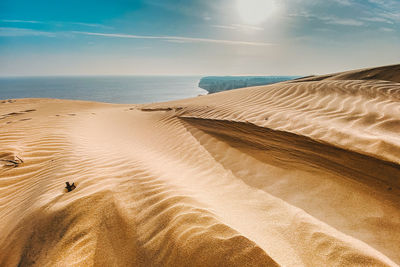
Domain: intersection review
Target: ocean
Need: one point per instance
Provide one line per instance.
(126, 89)
(110, 89)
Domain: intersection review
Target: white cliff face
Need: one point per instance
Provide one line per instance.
(215, 84)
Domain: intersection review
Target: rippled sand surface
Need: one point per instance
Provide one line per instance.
(301, 173)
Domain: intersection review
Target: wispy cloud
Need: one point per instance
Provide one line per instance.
(385, 29)
(180, 39)
(344, 2)
(239, 27)
(377, 19)
(393, 16)
(372, 13)
(15, 32)
(94, 25)
(20, 21)
(387, 9)
(330, 19)
(385, 3)
(57, 23)
(342, 21)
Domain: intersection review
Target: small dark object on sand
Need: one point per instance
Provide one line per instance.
(13, 163)
(70, 187)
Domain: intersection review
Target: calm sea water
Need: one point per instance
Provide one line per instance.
(111, 89)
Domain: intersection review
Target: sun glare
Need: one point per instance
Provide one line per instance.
(255, 11)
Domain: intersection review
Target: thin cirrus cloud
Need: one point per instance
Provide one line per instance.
(329, 19)
(358, 13)
(20, 21)
(378, 19)
(59, 23)
(19, 32)
(176, 39)
(239, 27)
(94, 25)
(342, 21)
(385, 29)
(344, 2)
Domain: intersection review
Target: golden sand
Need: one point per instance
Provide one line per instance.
(300, 173)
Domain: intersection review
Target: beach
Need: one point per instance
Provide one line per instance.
(298, 173)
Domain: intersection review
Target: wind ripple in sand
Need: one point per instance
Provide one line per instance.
(326, 111)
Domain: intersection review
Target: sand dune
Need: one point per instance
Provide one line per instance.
(301, 173)
(385, 73)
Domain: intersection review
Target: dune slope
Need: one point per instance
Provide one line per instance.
(301, 173)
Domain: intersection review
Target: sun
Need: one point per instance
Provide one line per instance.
(255, 11)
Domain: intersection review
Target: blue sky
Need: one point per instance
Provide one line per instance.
(198, 37)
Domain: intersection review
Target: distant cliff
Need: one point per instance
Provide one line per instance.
(215, 84)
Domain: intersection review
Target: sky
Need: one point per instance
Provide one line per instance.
(196, 37)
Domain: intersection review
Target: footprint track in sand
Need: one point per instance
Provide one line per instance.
(8, 101)
(11, 114)
(69, 114)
